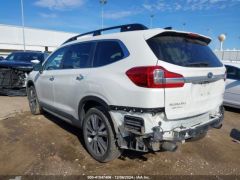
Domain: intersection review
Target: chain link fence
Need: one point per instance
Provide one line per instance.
(228, 55)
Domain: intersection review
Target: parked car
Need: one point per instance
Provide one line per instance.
(14, 70)
(140, 89)
(232, 92)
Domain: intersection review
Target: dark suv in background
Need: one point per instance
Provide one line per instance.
(14, 70)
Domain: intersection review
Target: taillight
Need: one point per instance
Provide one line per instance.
(155, 77)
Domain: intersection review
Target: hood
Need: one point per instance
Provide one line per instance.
(16, 64)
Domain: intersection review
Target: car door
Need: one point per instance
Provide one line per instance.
(70, 82)
(232, 92)
(45, 79)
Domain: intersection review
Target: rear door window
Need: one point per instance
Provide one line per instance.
(78, 56)
(108, 52)
(183, 51)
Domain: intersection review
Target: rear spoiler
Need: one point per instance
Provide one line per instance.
(199, 37)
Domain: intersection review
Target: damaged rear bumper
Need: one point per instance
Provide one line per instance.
(132, 133)
(215, 122)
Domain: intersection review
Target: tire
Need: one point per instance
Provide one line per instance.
(99, 137)
(34, 105)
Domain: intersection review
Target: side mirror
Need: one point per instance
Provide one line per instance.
(37, 66)
(1, 58)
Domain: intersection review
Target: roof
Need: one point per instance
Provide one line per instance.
(134, 30)
(146, 34)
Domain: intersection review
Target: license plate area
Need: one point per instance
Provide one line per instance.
(201, 91)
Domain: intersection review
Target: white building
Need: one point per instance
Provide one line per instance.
(11, 39)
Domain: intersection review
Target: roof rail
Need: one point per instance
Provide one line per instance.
(168, 28)
(123, 28)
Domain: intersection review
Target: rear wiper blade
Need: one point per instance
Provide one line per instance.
(198, 64)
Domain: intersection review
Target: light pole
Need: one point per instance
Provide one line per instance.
(237, 51)
(102, 2)
(184, 24)
(208, 31)
(23, 26)
(151, 20)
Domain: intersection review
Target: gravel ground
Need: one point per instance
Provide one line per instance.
(45, 145)
(9, 106)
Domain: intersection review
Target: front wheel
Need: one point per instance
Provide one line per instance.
(99, 137)
(33, 101)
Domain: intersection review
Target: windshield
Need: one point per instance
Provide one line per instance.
(26, 57)
(183, 51)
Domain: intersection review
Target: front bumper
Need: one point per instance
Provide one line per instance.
(13, 92)
(13, 81)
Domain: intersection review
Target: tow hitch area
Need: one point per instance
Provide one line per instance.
(159, 139)
(169, 146)
(13, 81)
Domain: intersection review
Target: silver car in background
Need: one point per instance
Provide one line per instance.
(232, 92)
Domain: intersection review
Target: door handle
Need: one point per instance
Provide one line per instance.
(79, 77)
(51, 78)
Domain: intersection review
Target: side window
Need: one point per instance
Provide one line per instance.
(55, 60)
(107, 52)
(233, 72)
(78, 56)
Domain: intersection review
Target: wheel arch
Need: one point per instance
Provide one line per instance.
(93, 101)
(30, 83)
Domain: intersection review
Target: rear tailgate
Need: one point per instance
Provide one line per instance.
(203, 74)
(200, 94)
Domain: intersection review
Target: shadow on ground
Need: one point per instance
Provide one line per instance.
(127, 154)
(231, 109)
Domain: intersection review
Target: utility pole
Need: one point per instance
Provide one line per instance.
(151, 20)
(102, 2)
(23, 26)
(184, 25)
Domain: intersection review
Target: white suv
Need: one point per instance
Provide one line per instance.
(140, 89)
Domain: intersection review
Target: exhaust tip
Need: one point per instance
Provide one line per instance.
(169, 146)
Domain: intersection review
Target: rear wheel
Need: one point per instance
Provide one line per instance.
(99, 137)
(33, 101)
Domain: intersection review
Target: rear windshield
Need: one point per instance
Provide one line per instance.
(25, 56)
(183, 51)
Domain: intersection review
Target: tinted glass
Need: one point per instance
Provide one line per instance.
(25, 56)
(78, 56)
(55, 60)
(233, 72)
(183, 51)
(107, 52)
